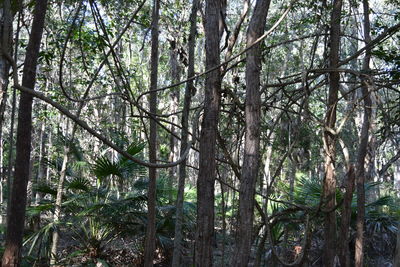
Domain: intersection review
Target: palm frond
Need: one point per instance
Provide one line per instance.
(135, 148)
(78, 183)
(382, 201)
(103, 167)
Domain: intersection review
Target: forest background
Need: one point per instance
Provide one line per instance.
(243, 133)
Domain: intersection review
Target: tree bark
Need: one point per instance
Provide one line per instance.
(10, 162)
(344, 253)
(16, 217)
(363, 148)
(329, 185)
(176, 258)
(174, 105)
(208, 136)
(150, 241)
(360, 176)
(250, 168)
(6, 47)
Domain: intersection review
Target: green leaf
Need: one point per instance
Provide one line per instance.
(104, 167)
(79, 183)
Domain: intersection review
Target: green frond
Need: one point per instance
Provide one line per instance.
(135, 148)
(78, 183)
(382, 201)
(103, 167)
(38, 209)
(79, 165)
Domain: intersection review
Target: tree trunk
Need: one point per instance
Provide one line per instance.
(260, 249)
(329, 186)
(223, 218)
(360, 176)
(42, 166)
(250, 168)
(207, 164)
(10, 162)
(176, 259)
(150, 242)
(363, 148)
(16, 217)
(344, 253)
(174, 105)
(6, 44)
(57, 210)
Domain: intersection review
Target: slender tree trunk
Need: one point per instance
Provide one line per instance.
(6, 45)
(329, 186)
(174, 105)
(16, 217)
(176, 259)
(260, 249)
(291, 175)
(207, 164)
(362, 151)
(344, 253)
(344, 234)
(41, 169)
(250, 168)
(360, 176)
(10, 162)
(150, 242)
(371, 173)
(223, 218)
(57, 210)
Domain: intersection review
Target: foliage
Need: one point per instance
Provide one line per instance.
(104, 195)
(122, 168)
(381, 215)
(97, 215)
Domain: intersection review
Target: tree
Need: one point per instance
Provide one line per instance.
(290, 114)
(176, 258)
(363, 147)
(150, 241)
(5, 49)
(251, 159)
(208, 136)
(16, 216)
(329, 187)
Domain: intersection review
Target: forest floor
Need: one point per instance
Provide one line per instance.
(128, 252)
